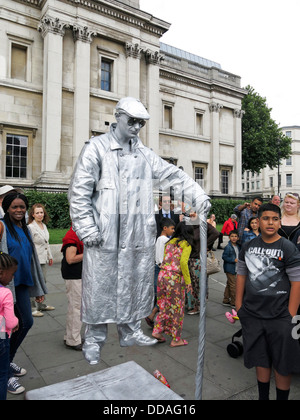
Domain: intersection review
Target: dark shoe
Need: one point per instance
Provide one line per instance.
(16, 370)
(220, 247)
(77, 348)
(149, 322)
(194, 312)
(13, 386)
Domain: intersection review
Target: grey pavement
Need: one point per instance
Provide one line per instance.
(47, 360)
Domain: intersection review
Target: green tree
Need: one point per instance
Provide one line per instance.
(263, 144)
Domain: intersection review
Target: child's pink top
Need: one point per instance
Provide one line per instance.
(8, 320)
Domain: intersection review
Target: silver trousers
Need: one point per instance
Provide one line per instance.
(96, 335)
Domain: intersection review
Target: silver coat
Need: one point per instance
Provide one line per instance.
(111, 193)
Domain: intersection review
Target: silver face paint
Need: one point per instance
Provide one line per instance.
(112, 211)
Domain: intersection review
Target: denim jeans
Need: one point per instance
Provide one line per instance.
(4, 366)
(24, 314)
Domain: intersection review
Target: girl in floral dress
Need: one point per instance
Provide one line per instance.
(173, 280)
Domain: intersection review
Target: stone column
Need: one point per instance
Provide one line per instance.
(215, 148)
(52, 30)
(81, 123)
(237, 171)
(153, 59)
(133, 54)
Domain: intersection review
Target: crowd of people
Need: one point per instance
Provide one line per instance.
(24, 254)
(109, 252)
(256, 232)
(25, 238)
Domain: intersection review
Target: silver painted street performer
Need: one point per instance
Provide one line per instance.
(112, 212)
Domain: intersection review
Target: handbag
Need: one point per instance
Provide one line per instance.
(212, 264)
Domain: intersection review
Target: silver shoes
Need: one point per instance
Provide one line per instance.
(91, 352)
(129, 335)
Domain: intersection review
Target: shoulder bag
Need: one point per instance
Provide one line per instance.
(212, 264)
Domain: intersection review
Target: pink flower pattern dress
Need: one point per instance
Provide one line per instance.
(172, 280)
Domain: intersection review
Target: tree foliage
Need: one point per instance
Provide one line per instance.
(263, 144)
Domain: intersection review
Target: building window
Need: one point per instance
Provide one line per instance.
(106, 74)
(199, 124)
(224, 181)
(18, 61)
(168, 120)
(199, 175)
(288, 134)
(289, 180)
(16, 156)
(289, 161)
(171, 160)
(257, 185)
(271, 181)
(19, 57)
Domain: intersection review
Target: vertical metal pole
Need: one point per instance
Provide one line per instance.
(202, 298)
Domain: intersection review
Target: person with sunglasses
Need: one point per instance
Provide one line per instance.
(112, 211)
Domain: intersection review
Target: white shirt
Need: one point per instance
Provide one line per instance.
(160, 249)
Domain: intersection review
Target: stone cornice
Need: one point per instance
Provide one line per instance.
(207, 84)
(124, 13)
(116, 10)
(35, 3)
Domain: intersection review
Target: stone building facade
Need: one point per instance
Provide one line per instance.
(64, 64)
(279, 180)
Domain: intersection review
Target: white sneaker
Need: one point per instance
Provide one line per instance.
(13, 386)
(37, 313)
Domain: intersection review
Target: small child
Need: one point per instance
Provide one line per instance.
(8, 321)
(173, 279)
(267, 298)
(230, 257)
(168, 227)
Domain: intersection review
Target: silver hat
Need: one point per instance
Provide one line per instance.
(132, 107)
